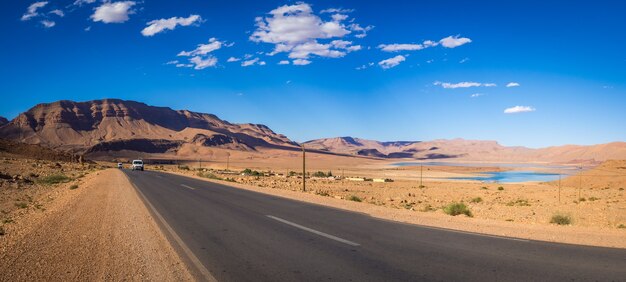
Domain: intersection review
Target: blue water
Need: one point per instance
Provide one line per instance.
(529, 173)
(512, 177)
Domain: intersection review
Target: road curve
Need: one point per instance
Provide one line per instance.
(240, 235)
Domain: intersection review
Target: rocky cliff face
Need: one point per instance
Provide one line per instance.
(113, 124)
(3, 121)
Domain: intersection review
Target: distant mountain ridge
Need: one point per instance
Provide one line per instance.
(3, 121)
(113, 124)
(479, 150)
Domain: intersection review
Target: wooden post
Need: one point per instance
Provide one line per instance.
(421, 174)
(559, 188)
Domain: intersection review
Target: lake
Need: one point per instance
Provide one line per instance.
(526, 172)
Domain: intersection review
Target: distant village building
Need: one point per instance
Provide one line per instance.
(382, 180)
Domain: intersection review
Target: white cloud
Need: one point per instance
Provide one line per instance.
(519, 109)
(475, 95)
(47, 23)
(160, 25)
(31, 11)
(81, 2)
(113, 12)
(297, 30)
(407, 47)
(184, 65)
(454, 41)
(391, 62)
(336, 10)
(512, 84)
(464, 84)
(464, 60)
(57, 12)
(283, 62)
(202, 63)
(301, 62)
(249, 62)
(203, 49)
(201, 57)
(448, 42)
(365, 66)
(232, 59)
(172, 62)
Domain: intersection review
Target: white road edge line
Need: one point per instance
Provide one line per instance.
(314, 231)
(205, 272)
(188, 187)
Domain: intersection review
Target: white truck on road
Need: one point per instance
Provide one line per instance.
(137, 165)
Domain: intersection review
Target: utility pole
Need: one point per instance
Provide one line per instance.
(303, 168)
(200, 163)
(421, 174)
(580, 181)
(227, 161)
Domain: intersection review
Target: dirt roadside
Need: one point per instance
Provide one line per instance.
(579, 235)
(100, 231)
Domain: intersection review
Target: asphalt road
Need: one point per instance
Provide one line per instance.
(239, 235)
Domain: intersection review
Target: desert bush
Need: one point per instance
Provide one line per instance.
(183, 167)
(73, 187)
(2, 232)
(455, 209)
(621, 226)
(53, 179)
(561, 219)
(354, 198)
(21, 205)
(582, 199)
(518, 202)
(322, 193)
(500, 188)
(476, 200)
(250, 172)
(209, 175)
(593, 199)
(484, 188)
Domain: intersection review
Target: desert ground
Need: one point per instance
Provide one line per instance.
(63, 221)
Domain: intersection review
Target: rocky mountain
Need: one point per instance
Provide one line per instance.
(114, 125)
(3, 121)
(461, 149)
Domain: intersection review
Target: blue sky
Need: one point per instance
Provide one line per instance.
(401, 70)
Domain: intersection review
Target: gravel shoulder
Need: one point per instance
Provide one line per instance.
(100, 231)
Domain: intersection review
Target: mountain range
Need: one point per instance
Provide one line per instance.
(110, 126)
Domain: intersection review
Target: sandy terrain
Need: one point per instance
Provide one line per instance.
(98, 231)
(520, 210)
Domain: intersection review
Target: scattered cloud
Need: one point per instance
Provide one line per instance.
(301, 62)
(172, 62)
(255, 61)
(448, 42)
(81, 2)
(297, 30)
(391, 62)
(607, 87)
(204, 49)
(512, 84)
(160, 25)
(430, 61)
(454, 41)
(113, 12)
(201, 57)
(464, 60)
(519, 109)
(365, 66)
(464, 84)
(233, 59)
(476, 95)
(283, 62)
(202, 63)
(48, 23)
(31, 11)
(336, 10)
(407, 47)
(57, 12)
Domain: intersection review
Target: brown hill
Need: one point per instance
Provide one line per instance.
(112, 124)
(469, 150)
(3, 121)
